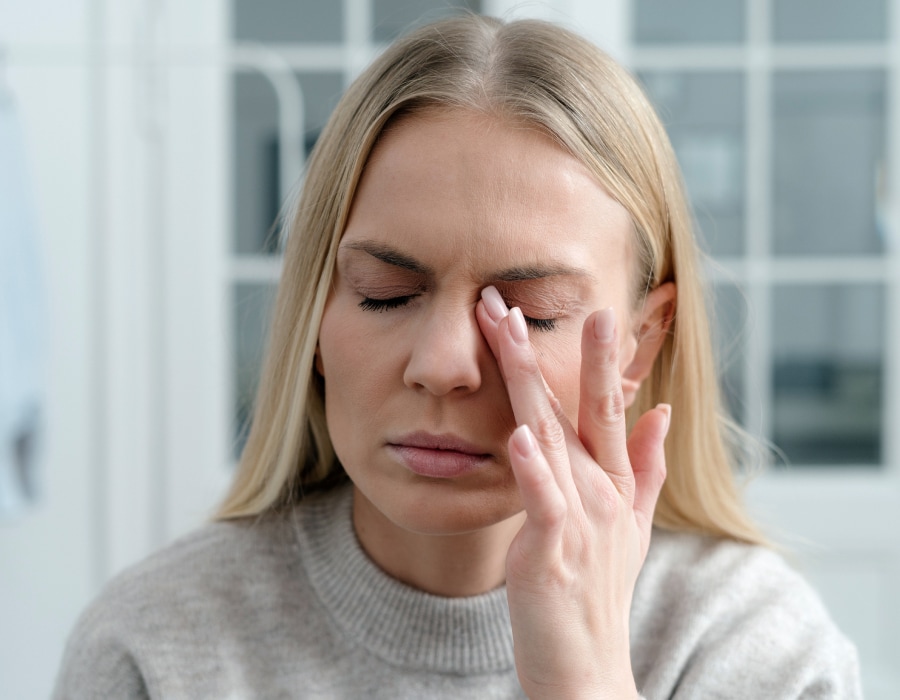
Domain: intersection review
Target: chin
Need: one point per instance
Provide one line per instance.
(442, 508)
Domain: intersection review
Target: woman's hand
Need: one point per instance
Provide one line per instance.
(589, 498)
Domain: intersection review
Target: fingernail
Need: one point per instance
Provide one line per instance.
(605, 325)
(667, 409)
(494, 303)
(517, 327)
(524, 442)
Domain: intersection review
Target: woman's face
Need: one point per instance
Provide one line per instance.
(416, 405)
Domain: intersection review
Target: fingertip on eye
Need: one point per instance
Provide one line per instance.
(494, 303)
(517, 327)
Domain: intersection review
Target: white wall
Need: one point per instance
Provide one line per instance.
(47, 562)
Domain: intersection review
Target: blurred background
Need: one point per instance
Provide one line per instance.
(145, 148)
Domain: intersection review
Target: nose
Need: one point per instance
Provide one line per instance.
(447, 354)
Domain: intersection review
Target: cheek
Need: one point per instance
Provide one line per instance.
(345, 338)
(356, 363)
(338, 361)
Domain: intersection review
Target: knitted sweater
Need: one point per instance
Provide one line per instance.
(290, 607)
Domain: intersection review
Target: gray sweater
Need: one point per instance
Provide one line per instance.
(290, 607)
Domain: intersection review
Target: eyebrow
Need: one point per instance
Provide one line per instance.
(518, 273)
(536, 272)
(390, 256)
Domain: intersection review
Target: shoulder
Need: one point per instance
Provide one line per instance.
(205, 589)
(728, 615)
(206, 563)
(698, 565)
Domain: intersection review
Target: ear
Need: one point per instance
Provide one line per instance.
(654, 323)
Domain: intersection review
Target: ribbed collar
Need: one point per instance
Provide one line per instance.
(402, 625)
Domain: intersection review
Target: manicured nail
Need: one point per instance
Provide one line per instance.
(605, 325)
(667, 409)
(524, 442)
(494, 303)
(517, 327)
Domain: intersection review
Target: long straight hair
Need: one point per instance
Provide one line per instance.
(528, 72)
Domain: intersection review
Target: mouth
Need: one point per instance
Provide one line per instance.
(443, 456)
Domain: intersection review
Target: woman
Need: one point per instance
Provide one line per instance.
(489, 324)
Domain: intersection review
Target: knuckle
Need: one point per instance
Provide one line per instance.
(605, 356)
(609, 355)
(611, 407)
(549, 432)
(609, 503)
(521, 365)
(556, 513)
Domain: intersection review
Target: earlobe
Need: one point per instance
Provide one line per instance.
(655, 321)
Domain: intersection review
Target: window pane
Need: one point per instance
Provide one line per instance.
(704, 116)
(828, 147)
(827, 373)
(252, 307)
(829, 20)
(664, 21)
(256, 195)
(729, 335)
(394, 17)
(288, 20)
(321, 92)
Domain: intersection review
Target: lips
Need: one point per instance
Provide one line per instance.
(443, 456)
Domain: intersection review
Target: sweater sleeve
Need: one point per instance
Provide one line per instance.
(719, 619)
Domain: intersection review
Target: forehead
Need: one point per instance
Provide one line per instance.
(485, 191)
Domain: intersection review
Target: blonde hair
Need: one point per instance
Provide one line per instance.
(543, 75)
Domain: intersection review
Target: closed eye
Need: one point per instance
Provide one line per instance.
(538, 324)
(370, 304)
(382, 305)
(541, 324)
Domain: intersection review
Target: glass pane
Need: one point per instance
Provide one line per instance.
(828, 159)
(321, 92)
(664, 21)
(256, 195)
(829, 20)
(729, 336)
(828, 349)
(252, 307)
(394, 17)
(704, 116)
(288, 20)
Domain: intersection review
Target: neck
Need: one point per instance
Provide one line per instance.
(448, 565)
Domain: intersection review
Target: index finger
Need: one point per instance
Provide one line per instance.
(601, 405)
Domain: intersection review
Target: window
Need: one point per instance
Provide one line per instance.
(749, 92)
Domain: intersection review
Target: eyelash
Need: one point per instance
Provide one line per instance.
(380, 305)
(369, 304)
(543, 325)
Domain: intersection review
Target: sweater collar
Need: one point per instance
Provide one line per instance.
(402, 625)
